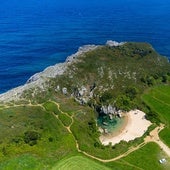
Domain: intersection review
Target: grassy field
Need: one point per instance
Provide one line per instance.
(158, 99)
(23, 162)
(53, 143)
(79, 163)
(147, 158)
(56, 143)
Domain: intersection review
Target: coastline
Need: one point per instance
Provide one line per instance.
(135, 126)
(39, 79)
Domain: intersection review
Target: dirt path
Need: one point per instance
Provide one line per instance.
(71, 117)
(91, 156)
(113, 159)
(153, 136)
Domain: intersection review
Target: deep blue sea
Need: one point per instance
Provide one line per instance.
(37, 33)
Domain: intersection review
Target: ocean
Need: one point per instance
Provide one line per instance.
(36, 34)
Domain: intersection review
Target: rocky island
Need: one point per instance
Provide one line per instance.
(75, 107)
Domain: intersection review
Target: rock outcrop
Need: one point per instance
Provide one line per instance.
(114, 43)
(39, 79)
(59, 69)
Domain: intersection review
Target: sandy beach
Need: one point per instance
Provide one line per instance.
(135, 127)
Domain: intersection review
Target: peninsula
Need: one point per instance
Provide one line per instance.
(104, 104)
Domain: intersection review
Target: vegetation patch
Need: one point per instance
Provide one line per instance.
(66, 120)
(147, 158)
(165, 136)
(33, 130)
(158, 99)
(51, 107)
(31, 137)
(79, 163)
(23, 162)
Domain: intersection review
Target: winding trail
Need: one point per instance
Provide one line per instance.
(71, 117)
(152, 137)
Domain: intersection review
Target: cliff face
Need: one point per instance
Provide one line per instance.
(107, 75)
(39, 79)
(113, 75)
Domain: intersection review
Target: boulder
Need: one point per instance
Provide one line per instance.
(64, 90)
(114, 43)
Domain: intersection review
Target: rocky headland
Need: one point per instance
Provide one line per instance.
(107, 78)
(39, 79)
(77, 105)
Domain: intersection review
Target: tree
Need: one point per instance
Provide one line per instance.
(31, 137)
(149, 80)
(164, 78)
(131, 92)
(123, 103)
(106, 96)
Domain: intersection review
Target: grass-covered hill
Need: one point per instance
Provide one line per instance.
(109, 75)
(54, 122)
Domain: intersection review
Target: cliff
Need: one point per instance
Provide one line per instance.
(98, 75)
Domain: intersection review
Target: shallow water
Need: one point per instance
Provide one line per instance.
(113, 125)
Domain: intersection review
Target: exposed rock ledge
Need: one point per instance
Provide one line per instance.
(59, 69)
(38, 80)
(114, 43)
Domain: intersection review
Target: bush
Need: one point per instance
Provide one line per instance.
(17, 140)
(131, 92)
(93, 130)
(149, 80)
(153, 117)
(164, 78)
(106, 96)
(97, 144)
(50, 139)
(31, 137)
(123, 103)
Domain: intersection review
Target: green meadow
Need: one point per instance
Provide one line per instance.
(147, 158)
(34, 132)
(49, 129)
(79, 163)
(158, 99)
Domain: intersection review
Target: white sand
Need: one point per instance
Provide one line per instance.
(136, 127)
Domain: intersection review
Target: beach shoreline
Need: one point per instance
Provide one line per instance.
(135, 126)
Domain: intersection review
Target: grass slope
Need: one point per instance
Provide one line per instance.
(158, 99)
(147, 158)
(24, 162)
(54, 142)
(79, 163)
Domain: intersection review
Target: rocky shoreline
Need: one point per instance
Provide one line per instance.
(39, 79)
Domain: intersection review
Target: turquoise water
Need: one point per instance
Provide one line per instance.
(35, 34)
(112, 125)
